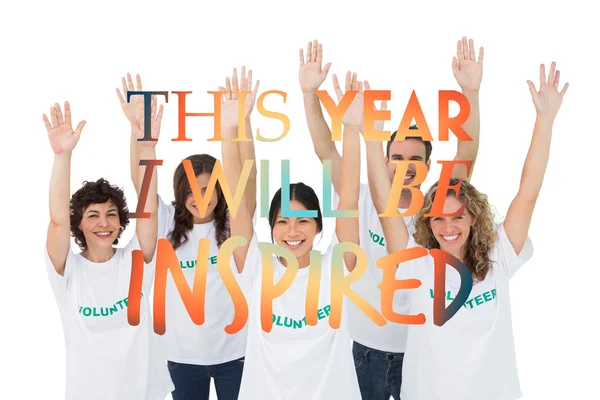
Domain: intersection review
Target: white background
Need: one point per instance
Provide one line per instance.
(78, 51)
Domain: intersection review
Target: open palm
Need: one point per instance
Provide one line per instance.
(133, 109)
(548, 99)
(467, 70)
(60, 132)
(311, 73)
(230, 113)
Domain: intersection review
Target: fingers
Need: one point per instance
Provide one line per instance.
(47, 123)
(67, 113)
(235, 87)
(153, 109)
(348, 84)
(244, 80)
(319, 53)
(384, 104)
(79, 129)
(255, 91)
(121, 98)
(459, 52)
(160, 114)
(366, 84)
(480, 55)
(315, 46)
(309, 52)
(542, 75)
(557, 79)
(138, 81)
(130, 86)
(223, 93)
(228, 88)
(465, 48)
(53, 116)
(471, 50)
(59, 115)
(552, 73)
(532, 89)
(564, 90)
(336, 87)
(249, 81)
(301, 57)
(454, 65)
(325, 70)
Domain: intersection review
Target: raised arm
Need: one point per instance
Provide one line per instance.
(147, 228)
(468, 72)
(394, 228)
(62, 140)
(311, 78)
(346, 228)
(247, 146)
(241, 223)
(547, 102)
(132, 110)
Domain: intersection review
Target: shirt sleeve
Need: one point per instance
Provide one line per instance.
(506, 257)
(60, 284)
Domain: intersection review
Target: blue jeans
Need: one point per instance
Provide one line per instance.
(192, 382)
(379, 373)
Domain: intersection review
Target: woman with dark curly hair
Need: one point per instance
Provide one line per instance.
(472, 355)
(107, 358)
(195, 353)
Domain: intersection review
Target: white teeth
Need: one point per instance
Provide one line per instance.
(450, 238)
(103, 233)
(294, 243)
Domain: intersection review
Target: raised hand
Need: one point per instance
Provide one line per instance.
(548, 99)
(60, 132)
(229, 99)
(378, 125)
(355, 112)
(467, 70)
(135, 108)
(156, 118)
(311, 73)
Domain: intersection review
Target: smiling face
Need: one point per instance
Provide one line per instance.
(100, 225)
(406, 150)
(190, 202)
(295, 234)
(452, 233)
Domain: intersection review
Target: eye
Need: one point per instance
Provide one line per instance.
(92, 216)
(112, 215)
(437, 218)
(281, 221)
(189, 192)
(303, 221)
(203, 191)
(459, 217)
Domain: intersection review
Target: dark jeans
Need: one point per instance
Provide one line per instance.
(379, 373)
(192, 382)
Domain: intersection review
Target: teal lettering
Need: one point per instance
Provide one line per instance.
(278, 322)
(80, 307)
(274, 317)
(448, 296)
(297, 324)
(431, 293)
(370, 234)
(96, 313)
(381, 241)
(285, 322)
(113, 309)
(321, 314)
(120, 303)
(376, 238)
(326, 309)
(487, 296)
(470, 302)
(493, 293)
(304, 320)
(213, 260)
(478, 300)
(125, 301)
(102, 311)
(87, 311)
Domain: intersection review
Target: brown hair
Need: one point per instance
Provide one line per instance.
(184, 221)
(428, 145)
(98, 192)
(483, 231)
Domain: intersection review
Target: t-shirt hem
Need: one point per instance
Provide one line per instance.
(373, 346)
(182, 360)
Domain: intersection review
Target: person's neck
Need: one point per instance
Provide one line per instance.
(405, 199)
(98, 255)
(205, 220)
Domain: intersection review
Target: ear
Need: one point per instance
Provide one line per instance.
(428, 165)
(387, 161)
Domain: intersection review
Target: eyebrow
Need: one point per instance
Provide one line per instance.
(412, 157)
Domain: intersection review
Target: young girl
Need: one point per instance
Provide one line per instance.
(196, 353)
(293, 360)
(472, 355)
(107, 357)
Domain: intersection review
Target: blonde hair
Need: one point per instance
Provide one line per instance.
(483, 231)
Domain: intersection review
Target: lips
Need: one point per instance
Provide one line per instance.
(450, 238)
(409, 177)
(103, 234)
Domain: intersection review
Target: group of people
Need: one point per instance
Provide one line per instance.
(471, 356)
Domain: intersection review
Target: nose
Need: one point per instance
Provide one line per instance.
(293, 228)
(103, 220)
(448, 224)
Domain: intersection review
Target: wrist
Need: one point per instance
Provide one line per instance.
(63, 155)
(470, 92)
(545, 120)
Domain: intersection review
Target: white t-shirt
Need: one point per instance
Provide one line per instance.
(472, 356)
(106, 357)
(186, 342)
(296, 361)
(392, 336)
